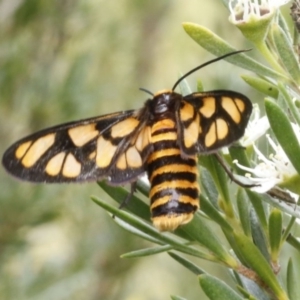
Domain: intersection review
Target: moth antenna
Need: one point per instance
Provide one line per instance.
(206, 64)
(146, 91)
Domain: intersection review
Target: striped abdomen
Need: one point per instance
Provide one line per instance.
(174, 187)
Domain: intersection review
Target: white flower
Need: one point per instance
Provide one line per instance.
(256, 127)
(243, 10)
(271, 171)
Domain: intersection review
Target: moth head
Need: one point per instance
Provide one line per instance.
(163, 102)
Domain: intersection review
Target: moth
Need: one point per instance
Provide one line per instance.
(162, 139)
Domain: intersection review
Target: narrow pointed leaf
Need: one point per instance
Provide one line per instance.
(187, 263)
(275, 233)
(292, 282)
(256, 261)
(135, 205)
(289, 208)
(293, 241)
(249, 288)
(173, 297)
(220, 180)
(215, 289)
(286, 52)
(184, 87)
(243, 209)
(209, 187)
(283, 131)
(290, 102)
(150, 230)
(258, 235)
(261, 85)
(213, 213)
(147, 252)
(239, 154)
(217, 46)
(199, 231)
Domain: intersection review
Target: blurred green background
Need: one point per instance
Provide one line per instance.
(68, 60)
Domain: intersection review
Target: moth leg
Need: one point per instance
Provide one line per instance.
(129, 196)
(231, 175)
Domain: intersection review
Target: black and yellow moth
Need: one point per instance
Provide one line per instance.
(162, 139)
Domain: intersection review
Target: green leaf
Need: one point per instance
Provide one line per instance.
(293, 241)
(208, 186)
(258, 235)
(147, 252)
(256, 261)
(289, 208)
(135, 205)
(221, 182)
(165, 238)
(290, 102)
(275, 232)
(217, 46)
(143, 187)
(292, 282)
(199, 231)
(215, 289)
(184, 87)
(213, 213)
(261, 85)
(249, 288)
(284, 132)
(239, 154)
(173, 297)
(286, 52)
(187, 263)
(243, 209)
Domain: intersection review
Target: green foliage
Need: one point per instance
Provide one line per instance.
(58, 59)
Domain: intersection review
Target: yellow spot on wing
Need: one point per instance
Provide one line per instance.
(54, 165)
(191, 133)
(37, 149)
(211, 137)
(186, 112)
(121, 164)
(21, 150)
(133, 158)
(105, 152)
(240, 104)
(80, 135)
(92, 155)
(72, 167)
(124, 127)
(143, 139)
(209, 107)
(222, 129)
(229, 105)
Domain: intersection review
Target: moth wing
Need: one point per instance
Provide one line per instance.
(109, 146)
(212, 120)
